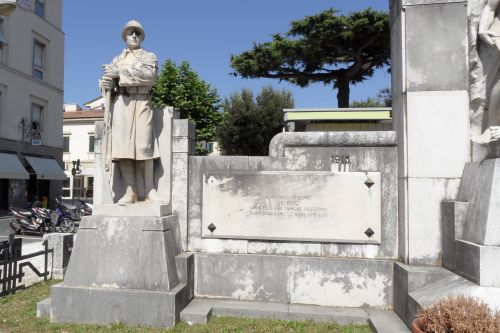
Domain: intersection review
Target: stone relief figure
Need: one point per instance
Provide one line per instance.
(129, 138)
(489, 52)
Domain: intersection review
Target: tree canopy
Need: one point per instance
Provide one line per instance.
(250, 123)
(383, 99)
(329, 48)
(181, 87)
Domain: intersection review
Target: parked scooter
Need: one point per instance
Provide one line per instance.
(84, 209)
(35, 220)
(65, 216)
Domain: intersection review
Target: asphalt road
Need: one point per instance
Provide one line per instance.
(5, 231)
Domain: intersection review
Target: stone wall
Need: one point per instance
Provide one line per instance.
(293, 275)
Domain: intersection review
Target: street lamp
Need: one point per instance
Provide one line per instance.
(7, 7)
(75, 171)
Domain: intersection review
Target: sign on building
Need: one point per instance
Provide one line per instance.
(36, 137)
(26, 4)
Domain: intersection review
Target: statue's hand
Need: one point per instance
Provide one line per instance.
(111, 71)
(488, 37)
(494, 132)
(107, 83)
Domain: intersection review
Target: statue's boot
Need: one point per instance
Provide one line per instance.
(149, 187)
(128, 176)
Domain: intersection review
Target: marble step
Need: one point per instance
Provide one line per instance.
(452, 284)
(381, 321)
(407, 279)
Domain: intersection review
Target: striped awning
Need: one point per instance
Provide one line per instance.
(46, 168)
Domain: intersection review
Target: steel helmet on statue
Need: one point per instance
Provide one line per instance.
(131, 25)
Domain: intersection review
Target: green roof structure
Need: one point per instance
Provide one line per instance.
(338, 114)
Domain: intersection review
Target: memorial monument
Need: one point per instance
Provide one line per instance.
(315, 222)
(124, 263)
(336, 219)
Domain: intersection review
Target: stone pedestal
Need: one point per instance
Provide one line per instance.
(123, 269)
(471, 225)
(481, 188)
(137, 209)
(478, 263)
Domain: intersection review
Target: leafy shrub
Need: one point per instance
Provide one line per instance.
(458, 314)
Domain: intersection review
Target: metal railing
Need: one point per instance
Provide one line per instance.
(11, 265)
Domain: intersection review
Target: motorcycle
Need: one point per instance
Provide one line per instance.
(84, 209)
(37, 219)
(65, 216)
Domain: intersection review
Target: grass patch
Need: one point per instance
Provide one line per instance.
(18, 314)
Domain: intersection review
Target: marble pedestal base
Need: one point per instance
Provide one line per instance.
(123, 269)
(480, 187)
(478, 263)
(471, 225)
(137, 209)
(107, 305)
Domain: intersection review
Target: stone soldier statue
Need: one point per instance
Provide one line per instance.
(126, 84)
(489, 33)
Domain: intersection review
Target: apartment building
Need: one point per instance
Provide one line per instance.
(78, 138)
(31, 102)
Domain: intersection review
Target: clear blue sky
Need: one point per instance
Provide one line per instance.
(205, 33)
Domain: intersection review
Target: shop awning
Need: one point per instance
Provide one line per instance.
(46, 168)
(11, 167)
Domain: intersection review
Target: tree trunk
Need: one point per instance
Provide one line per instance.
(343, 93)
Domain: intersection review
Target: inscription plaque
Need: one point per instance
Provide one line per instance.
(293, 205)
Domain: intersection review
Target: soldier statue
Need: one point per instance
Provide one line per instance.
(129, 138)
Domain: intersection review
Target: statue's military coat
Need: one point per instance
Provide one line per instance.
(132, 131)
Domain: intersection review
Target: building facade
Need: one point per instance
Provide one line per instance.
(78, 145)
(31, 103)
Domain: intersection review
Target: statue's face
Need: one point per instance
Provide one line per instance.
(134, 39)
